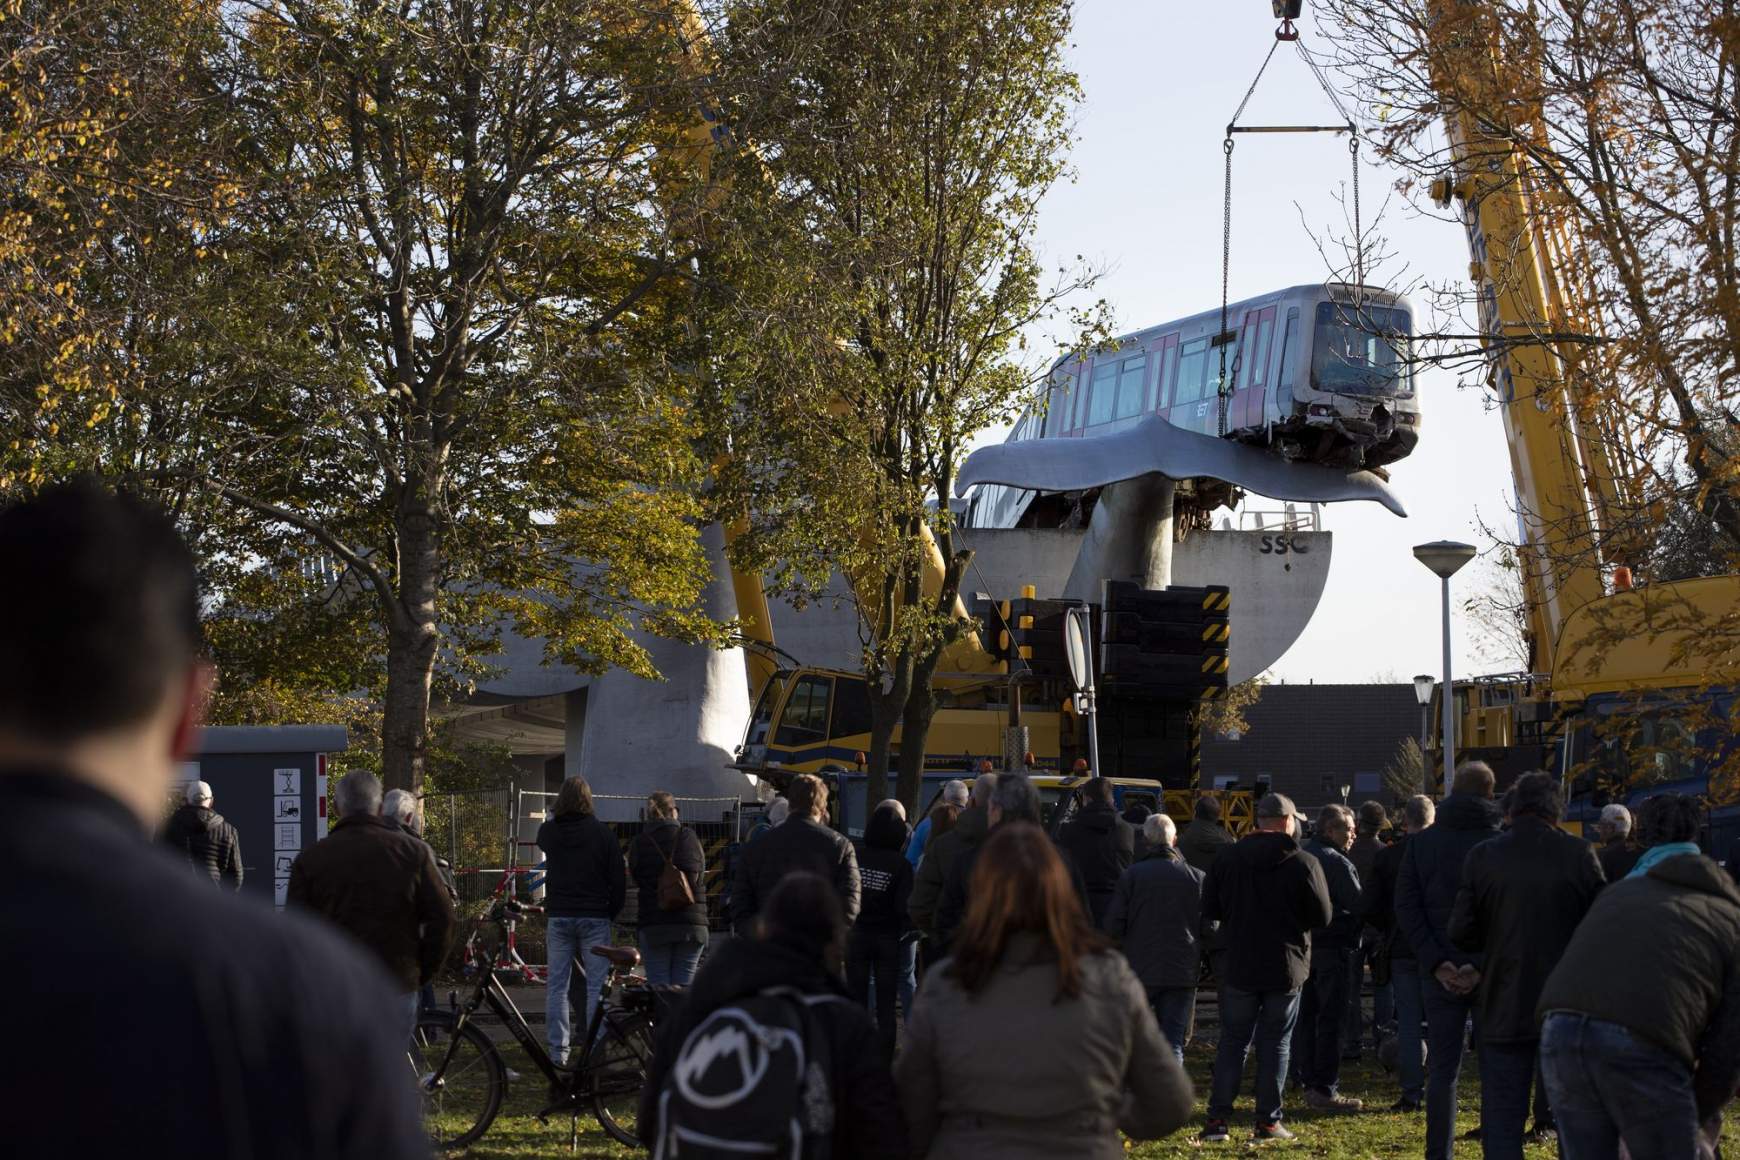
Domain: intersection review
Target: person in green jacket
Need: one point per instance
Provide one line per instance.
(1640, 1020)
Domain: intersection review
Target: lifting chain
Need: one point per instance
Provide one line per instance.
(1225, 339)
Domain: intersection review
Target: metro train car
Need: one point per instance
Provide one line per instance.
(1320, 374)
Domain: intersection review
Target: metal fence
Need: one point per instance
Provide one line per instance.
(490, 838)
(471, 831)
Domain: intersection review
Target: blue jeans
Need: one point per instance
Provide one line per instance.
(1174, 1008)
(1507, 1079)
(908, 975)
(1410, 1027)
(1268, 1017)
(671, 953)
(1607, 1085)
(569, 939)
(1446, 1039)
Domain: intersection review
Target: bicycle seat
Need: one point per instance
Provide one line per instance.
(623, 958)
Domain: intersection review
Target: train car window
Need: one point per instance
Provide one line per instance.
(1104, 393)
(1289, 343)
(805, 720)
(1080, 400)
(1132, 381)
(851, 707)
(1192, 371)
(1163, 381)
(1259, 373)
(1362, 351)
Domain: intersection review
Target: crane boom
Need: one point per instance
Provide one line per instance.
(1557, 460)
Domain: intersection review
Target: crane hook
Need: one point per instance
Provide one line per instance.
(1287, 11)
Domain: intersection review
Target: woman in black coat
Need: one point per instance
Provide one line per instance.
(873, 953)
(671, 941)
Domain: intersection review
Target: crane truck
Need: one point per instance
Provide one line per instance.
(1617, 699)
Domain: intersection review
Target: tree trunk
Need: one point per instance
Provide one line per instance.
(885, 713)
(412, 640)
(914, 740)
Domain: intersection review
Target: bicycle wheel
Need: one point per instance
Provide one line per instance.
(619, 1065)
(461, 1078)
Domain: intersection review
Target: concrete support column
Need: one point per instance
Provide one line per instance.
(1130, 537)
(573, 730)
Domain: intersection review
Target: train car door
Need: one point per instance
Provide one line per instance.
(1252, 386)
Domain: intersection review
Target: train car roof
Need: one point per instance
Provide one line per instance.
(1147, 332)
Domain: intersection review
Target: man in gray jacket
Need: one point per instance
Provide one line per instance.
(1154, 914)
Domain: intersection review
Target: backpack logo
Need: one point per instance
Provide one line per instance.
(727, 1058)
(752, 1079)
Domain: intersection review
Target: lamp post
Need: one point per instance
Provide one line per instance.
(1445, 558)
(1423, 694)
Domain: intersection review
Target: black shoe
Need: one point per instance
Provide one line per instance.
(1542, 1134)
(1406, 1105)
(1471, 1134)
(1214, 1132)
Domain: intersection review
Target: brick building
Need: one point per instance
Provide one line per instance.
(1310, 740)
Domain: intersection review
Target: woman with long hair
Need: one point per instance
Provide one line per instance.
(1034, 1039)
(585, 885)
(673, 932)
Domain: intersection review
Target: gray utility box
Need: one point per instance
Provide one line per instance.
(269, 782)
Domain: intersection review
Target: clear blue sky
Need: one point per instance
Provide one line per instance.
(1161, 82)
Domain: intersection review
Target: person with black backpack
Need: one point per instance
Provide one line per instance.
(668, 867)
(768, 1054)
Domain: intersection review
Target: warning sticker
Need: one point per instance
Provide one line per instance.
(280, 891)
(287, 782)
(287, 836)
(287, 809)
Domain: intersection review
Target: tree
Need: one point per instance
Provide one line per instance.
(424, 377)
(1620, 120)
(111, 174)
(900, 150)
(1495, 608)
(1405, 774)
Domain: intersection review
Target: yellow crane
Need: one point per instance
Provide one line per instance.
(1617, 697)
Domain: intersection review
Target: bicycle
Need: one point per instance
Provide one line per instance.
(506, 956)
(463, 1077)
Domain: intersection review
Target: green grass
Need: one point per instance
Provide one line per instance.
(517, 1136)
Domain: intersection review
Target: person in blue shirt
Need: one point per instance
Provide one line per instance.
(954, 793)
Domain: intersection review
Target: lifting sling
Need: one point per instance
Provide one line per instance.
(1225, 339)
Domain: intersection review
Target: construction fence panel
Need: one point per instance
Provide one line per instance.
(470, 830)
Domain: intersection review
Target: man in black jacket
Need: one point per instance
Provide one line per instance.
(803, 842)
(255, 1034)
(1643, 1046)
(380, 885)
(1316, 1049)
(1618, 853)
(1268, 895)
(1155, 915)
(1100, 843)
(1521, 898)
(1396, 952)
(1425, 895)
(209, 843)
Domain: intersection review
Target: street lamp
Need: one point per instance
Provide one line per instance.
(1445, 558)
(1423, 694)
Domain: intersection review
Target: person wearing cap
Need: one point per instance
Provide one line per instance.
(1268, 895)
(207, 842)
(1617, 852)
(954, 793)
